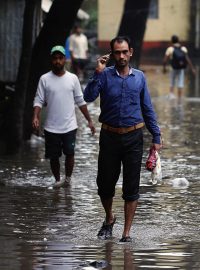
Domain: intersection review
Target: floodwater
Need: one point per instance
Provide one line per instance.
(42, 228)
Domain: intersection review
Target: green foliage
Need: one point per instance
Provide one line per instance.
(90, 6)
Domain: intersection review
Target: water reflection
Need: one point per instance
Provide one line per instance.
(41, 228)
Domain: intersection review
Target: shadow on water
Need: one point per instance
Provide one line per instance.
(42, 228)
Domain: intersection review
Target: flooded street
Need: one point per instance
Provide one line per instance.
(42, 228)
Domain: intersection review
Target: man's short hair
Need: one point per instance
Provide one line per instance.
(174, 39)
(120, 39)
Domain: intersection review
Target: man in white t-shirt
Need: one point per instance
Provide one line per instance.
(78, 46)
(59, 91)
(178, 57)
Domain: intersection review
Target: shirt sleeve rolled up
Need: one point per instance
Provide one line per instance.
(78, 94)
(39, 99)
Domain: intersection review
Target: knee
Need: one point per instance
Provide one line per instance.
(54, 160)
(69, 157)
(129, 198)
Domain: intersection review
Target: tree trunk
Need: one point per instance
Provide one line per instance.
(133, 24)
(14, 119)
(56, 28)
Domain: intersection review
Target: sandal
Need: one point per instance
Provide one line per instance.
(125, 239)
(106, 230)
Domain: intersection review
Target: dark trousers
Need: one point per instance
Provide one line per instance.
(116, 150)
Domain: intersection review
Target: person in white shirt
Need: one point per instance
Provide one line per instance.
(78, 46)
(178, 57)
(59, 91)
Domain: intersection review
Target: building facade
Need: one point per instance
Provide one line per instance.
(165, 19)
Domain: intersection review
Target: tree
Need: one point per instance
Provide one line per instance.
(14, 119)
(133, 24)
(56, 28)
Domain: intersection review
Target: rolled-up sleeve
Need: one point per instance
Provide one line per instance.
(93, 87)
(149, 114)
(78, 94)
(39, 99)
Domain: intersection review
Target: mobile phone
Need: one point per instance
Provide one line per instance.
(105, 58)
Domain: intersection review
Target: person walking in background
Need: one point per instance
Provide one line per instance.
(59, 91)
(78, 46)
(125, 108)
(178, 57)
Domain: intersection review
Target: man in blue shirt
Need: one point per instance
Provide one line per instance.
(125, 108)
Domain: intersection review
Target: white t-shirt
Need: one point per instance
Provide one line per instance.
(78, 44)
(59, 94)
(170, 50)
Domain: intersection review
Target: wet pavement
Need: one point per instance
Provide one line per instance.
(42, 228)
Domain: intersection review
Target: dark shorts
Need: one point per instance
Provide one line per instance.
(56, 143)
(81, 63)
(117, 149)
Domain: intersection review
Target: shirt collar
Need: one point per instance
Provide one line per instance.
(131, 71)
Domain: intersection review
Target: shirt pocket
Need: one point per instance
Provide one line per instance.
(134, 96)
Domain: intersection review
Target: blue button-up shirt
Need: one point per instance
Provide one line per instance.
(124, 101)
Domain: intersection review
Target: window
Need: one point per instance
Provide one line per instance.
(153, 9)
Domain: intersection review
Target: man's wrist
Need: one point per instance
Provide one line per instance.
(157, 139)
(98, 70)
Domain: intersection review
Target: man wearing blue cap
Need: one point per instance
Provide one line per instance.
(59, 91)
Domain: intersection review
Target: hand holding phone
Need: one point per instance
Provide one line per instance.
(102, 61)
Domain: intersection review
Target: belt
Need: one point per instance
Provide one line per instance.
(122, 130)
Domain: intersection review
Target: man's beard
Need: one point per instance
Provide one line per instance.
(58, 68)
(121, 63)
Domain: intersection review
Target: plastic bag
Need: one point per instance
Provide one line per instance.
(151, 160)
(156, 174)
(153, 164)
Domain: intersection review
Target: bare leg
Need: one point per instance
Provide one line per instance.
(107, 205)
(171, 89)
(171, 93)
(81, 75)
(180, 92)
(55, 168)
(69, 165)
(129, 212)
(106, 230)
(76, 68)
